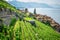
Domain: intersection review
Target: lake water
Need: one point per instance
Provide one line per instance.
(52, 12)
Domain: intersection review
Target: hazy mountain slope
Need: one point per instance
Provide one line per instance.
(29, 4)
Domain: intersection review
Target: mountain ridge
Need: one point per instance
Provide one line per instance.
(29, 4)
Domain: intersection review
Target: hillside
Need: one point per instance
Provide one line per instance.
(23, 26)
(4, 4)
(7, 12)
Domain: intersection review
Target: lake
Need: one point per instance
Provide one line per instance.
(52, 12)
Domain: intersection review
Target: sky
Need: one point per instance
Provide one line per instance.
(40, 1)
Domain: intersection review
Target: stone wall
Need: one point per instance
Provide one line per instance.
(7, 15)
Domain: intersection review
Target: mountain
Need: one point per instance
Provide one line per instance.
(29, 4)
(25, 27)
(56, 6)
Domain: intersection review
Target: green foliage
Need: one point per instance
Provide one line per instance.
(47, 23)
(1, 25)
(4, 4)
(25, 31)
(28, 18)
(13, 21)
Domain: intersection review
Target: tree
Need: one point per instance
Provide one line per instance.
(34, 11)
(26, 10)
(2, 0)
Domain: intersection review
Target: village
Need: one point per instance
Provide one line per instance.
(45, 19)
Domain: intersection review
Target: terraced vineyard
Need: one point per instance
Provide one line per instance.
(24, 30)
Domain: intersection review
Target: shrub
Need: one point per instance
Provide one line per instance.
(13, 21)
(1, 25)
